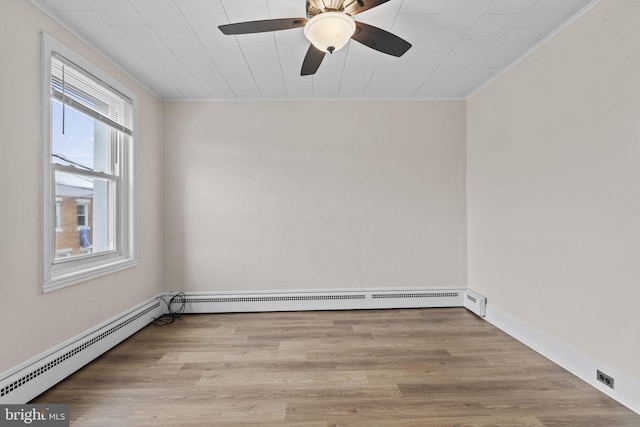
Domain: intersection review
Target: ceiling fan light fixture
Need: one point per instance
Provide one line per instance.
(330, 31)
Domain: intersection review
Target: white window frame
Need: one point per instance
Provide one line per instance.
(60, 273)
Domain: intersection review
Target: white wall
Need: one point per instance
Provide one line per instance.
(314, 195)
(554, 187)
(33, 322)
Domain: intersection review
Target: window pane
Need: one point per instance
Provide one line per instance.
(87, 212)
(85, 143)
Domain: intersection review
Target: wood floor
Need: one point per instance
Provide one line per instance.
(422, 368)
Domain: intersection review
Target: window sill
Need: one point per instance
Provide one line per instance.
(65, 278)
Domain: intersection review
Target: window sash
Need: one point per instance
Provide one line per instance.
(112, 230)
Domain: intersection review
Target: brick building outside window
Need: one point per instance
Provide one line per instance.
(74, 216)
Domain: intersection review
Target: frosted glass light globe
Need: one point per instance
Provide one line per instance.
(330, 31)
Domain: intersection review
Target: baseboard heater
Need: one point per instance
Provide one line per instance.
(33, 377)
(339, 300)
(475, 303)
(30, 379)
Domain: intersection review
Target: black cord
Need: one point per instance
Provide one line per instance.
(172, 314)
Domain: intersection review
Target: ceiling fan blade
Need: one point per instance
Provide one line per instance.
(312, 61)
(359, 6)
(263, 26)
(380, 40)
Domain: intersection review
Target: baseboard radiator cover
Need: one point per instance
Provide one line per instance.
(475, 303)
(321, 300)
(31, 378)
(24, 382)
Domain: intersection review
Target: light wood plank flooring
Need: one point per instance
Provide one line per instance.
(426, 368)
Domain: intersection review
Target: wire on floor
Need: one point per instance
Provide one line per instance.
(179, 300)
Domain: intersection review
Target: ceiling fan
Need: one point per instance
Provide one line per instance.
(328, 26)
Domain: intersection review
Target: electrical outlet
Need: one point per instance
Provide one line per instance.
(605, 379)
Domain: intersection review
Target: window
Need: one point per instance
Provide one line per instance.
(89, 170)
(58, 214)
(83, 209)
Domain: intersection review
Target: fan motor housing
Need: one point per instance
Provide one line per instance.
(316, 7)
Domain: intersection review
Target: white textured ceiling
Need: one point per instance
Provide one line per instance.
(174, 48)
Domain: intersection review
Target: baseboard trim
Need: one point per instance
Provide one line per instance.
(346, 299)
(24, 382)
(627, 389)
